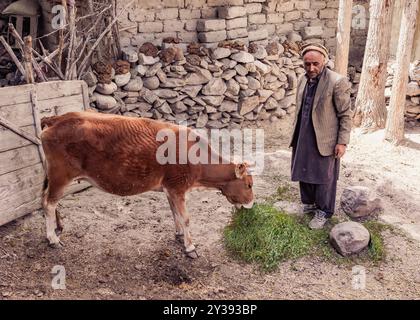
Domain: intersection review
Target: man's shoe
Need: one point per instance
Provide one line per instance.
(309, 208)
(319, 220)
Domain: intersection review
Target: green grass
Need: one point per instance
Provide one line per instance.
(266, 236)
(376, 250)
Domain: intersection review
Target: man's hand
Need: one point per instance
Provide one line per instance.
(340, 150)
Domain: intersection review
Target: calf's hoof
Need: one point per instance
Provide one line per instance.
(192, 254)
(56, 245)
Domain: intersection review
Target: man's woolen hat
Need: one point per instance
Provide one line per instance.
(315, 47)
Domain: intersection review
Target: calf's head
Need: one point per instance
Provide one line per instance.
(239, 190)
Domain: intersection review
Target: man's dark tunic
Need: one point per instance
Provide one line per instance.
(317, 174)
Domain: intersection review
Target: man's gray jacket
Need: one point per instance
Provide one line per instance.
(331, 112)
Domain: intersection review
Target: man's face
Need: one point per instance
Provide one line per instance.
(314, 63)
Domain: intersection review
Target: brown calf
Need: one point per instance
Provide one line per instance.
(118, 155)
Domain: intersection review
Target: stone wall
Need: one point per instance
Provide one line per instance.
(210, 21)
(214, 88)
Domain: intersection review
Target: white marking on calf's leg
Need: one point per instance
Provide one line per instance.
(51, 223)
(179, 233)
(184, 221)
(185, 224)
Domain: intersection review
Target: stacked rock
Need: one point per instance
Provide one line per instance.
(412, 105)
(214, 88)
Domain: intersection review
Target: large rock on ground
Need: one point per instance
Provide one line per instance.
(349, 237)
(357, 202)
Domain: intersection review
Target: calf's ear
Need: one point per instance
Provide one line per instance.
(241, 170)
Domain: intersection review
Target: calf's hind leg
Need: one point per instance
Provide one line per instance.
(179, 232)
(53, 193)
(181, 215)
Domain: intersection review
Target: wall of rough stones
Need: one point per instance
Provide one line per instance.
(219, 88)
(215, 84)
(248, 20)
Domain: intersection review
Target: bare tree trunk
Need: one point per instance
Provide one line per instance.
(395, 123)
(370, 101)
(343, 36)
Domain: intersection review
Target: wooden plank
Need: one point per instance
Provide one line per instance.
(22, 210)
(9, 215)
(45, 90)
(12, 182)
(16, 159)
(37, 120)
(21, 172)
(59, 106)
(21, 114)
(7, 124)
(23, 196)
(15, 95)
(58, 89)
(10, 140)
(18, 114)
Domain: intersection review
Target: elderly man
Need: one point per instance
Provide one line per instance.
(321, 133)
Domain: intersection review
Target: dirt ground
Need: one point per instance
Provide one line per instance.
(124, 247)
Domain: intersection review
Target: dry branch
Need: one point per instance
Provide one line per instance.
(12, 55)
(44, 59)
(110, 26)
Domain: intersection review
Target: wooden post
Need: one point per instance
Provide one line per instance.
(61, 35)
(20, 44)
(47, 60)
(37, 121)
(72, 31)
(395, 124)
(116, 31)
(343, 36)
(370, 101)
(27, 57)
